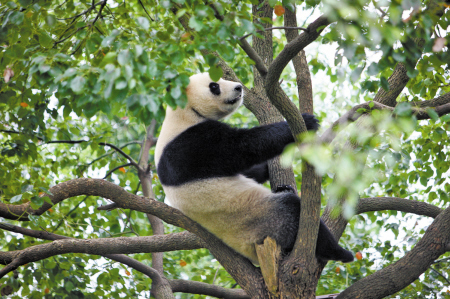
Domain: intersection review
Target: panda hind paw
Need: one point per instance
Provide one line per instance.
(285, 188)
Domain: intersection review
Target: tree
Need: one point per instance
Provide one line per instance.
(82, 97)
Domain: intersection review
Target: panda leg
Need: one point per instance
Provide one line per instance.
(327, 248)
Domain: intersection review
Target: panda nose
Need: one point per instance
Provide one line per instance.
(238, 88)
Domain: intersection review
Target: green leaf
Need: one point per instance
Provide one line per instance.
(45, 40)
(47, 199)
(37, 201)
(124, 57)
(27, 188)
(175, 92)
(11, 5)
(77, 84)
(25, 3)
(121, 84)
(143, 22)
(215, 73)
(432, 113)
(68, 286)
(196, 24)
(109, 58)
(15, 198)
(46, 190)
(51, 20)
(16, 17)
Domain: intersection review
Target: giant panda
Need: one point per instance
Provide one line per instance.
(212, 172)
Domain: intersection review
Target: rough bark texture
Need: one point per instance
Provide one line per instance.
(248, 277)
(300, 272)
(145, 177)
(303, 76)
(261, 107)
(273, 90)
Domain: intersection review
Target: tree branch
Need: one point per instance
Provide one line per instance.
(303, 76)
(103, 246)
(259, 63)
(388, 281)
(239, 267)
(131, 160)
(252, 54)
(441, 100)
(357, 111)
(273, 90)
(195, 287)
(273, 28)
(115, 168)
(372, 204)
(188, 239)
(142, 4)
(144, 174)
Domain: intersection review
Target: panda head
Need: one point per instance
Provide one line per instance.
(213, 100)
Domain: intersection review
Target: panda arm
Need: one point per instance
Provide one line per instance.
(258, 172)
(214, 149)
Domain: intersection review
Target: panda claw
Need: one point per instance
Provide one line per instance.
(285, 188)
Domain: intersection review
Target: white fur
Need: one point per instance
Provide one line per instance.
(220, 205)
(200, 98)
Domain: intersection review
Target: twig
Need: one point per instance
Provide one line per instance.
(65, 141)
(103, 4)
(84, 12)
(70, 35)
(440, 274)
(115, 168)
(259, 63)
(132, 162)
(140, 2)
(70, 212)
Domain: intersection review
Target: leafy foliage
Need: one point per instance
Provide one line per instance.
(77, 74)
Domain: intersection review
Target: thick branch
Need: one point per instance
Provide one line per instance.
(397, 81)
(145, 178)
(388, 281)
(303, 76)
(273, 90)
(259, 63)
(372, 204)
(239, 267)
(103, 246)
(441, 100)
(120, 245)
(195, 287)
(187, 238)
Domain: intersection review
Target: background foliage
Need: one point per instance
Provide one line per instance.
(77, 74)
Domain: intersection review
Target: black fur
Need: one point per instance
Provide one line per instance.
(327, 248)
(214, 88)
(258, 173)
(214, 149)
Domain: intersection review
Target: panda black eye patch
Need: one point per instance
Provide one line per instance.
(215, 88)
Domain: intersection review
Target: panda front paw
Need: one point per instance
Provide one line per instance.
(285, 188)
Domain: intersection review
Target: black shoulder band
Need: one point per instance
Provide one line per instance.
(198, 113)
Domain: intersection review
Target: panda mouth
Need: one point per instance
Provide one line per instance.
(233, 101)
